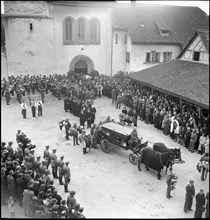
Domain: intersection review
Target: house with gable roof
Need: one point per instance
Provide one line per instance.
(186, 77)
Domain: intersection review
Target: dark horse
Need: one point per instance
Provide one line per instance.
(154, 160)
(160, 147)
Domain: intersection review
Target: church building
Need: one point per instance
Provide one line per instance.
(53, 37)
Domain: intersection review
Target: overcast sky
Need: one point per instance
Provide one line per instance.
(204, 5)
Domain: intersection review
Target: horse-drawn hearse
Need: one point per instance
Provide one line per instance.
(113, 134)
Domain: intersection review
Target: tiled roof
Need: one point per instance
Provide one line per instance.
(184, 79)
(144, 22)
(204, 34)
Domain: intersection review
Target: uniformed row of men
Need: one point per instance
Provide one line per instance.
(34, 105)
(21, 171)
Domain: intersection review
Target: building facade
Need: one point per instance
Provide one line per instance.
(49, 37)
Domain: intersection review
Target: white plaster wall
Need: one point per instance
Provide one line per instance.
(30, 52)
(119, 52)
(26, 8)
(138, 54)
(100, 54)
(196, 45)
(3, 65)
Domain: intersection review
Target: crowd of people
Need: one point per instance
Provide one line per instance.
(185, 124)
(26, 179)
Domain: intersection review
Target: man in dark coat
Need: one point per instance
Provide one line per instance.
(190, 193)
(20, 188)
(200, 204)
(67, 127)
(67, 176)
(46, 156)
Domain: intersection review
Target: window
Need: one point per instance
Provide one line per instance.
(125, 39)
(164, 32)
(68, 30)
(127, 57)
(196, 56)
(167, 56)
(95, 31)
(152, 56)
(81, 30)
(116, 38)
(147, 57)
(68, 27)
(31, 26)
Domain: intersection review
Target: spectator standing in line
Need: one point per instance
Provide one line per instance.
(187, 137)
(190, 193)
(206, 145)
(200, 204)
(193, 139)
(205, 166)
(207, 205)
(11, 207)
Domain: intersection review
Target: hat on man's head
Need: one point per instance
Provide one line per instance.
(191, 181)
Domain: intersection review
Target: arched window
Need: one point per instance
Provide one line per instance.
(94, 31)
(68, 30)
(81, 30)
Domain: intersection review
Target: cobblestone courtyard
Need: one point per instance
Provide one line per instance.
(106, 185)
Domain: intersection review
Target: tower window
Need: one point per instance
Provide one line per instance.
(31, 26)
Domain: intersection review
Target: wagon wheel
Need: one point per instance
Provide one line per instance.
(105, 146)
(133, 158)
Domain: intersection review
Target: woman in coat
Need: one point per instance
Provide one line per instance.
(27, 198)
(202, 141)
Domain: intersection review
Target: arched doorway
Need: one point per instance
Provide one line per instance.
(81, 67)
(82, 64)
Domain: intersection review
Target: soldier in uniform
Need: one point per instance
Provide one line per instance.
(67, 176)
(43, 167)
(60, 169)
(7, 95)
(40, 106)
(23, 107)
(46, 156)
(54, 164)
(71, 202)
